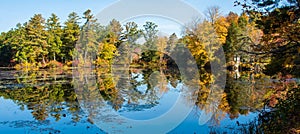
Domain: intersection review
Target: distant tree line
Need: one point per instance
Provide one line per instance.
(40, 41)
(253, 36)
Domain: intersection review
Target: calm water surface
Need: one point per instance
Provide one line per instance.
(56, 101)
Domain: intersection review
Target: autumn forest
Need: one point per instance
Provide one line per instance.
(261, 50)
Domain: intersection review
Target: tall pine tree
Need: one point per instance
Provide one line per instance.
(54, 37)
(36, 45)
(70, 36)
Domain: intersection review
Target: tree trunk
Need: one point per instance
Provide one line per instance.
(54, 58)
(44, 62)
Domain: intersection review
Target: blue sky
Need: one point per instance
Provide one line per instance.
(20, 11)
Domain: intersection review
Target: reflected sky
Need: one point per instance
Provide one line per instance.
(17, 121)
(16, 117)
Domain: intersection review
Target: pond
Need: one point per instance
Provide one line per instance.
(143, 100)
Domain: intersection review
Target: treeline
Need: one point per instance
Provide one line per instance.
(253, 37)
(46, 42)
(40, 41)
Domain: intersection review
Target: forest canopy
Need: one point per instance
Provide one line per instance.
(264, 36)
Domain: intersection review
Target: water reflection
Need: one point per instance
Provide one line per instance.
(59, 95)
(246, 94)
(40, 102)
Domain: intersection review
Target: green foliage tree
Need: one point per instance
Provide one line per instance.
(150, 36)
(130, 35)
(16, 39)
(232, 41)
(70, 35)
(36, 45)
(5, 51)
(54, 36)
(240, 38)
(131, 32)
